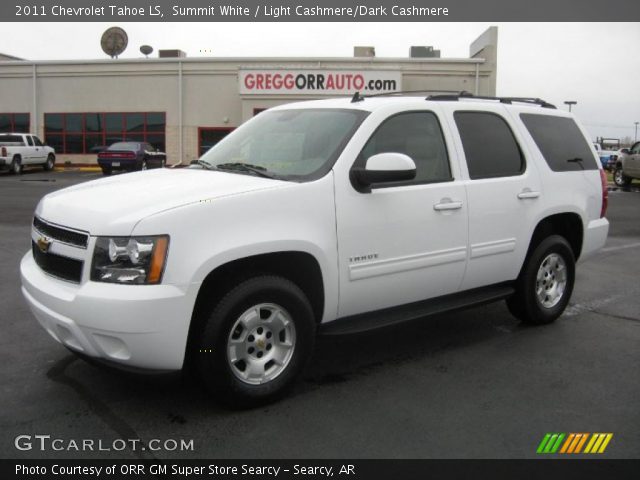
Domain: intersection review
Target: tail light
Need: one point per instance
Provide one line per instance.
(605, 194)
(127, 155)
(4, 151)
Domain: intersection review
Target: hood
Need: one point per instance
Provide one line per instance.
(113, 206)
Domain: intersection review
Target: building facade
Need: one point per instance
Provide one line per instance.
(185, 105)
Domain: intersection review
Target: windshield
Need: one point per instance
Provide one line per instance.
(287, 144)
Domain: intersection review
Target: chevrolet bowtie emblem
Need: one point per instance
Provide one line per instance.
(43, 244)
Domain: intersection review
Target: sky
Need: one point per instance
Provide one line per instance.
(595, 64)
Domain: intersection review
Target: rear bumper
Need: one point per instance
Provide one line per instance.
(122, 164)
(595, 236)
(138, 326)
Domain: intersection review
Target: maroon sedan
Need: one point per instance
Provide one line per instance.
(130, 156)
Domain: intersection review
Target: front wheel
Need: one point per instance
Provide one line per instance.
(144, 165)
(50, 163)
(620, 179)
(545, 284)
(256, 341)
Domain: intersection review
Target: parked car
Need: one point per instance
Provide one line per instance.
(19, 150)
(130, 156)
(627, 166)
(607, 157)
(108, 142)
(333, 216)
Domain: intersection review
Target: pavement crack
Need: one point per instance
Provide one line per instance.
(58, 374)
(619, 317)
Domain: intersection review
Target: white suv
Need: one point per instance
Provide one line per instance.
(331, 216)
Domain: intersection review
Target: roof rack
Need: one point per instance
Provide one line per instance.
(358, 97)
(507, 100)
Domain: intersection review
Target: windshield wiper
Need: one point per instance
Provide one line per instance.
(246, 167)
(207, 166)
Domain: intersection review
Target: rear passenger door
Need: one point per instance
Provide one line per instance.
(29, 152)
(503, 193)
(38, 154)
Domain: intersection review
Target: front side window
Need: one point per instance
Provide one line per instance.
(417, 135)
(489, 146)
(296, 144)
(560, 141)
(635, 149)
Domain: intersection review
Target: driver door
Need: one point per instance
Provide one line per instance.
(404, 241)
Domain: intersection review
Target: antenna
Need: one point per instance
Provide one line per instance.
(146, 50)
(114, 41)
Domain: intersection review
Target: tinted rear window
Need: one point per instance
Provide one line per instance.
(560, 141)
(489, 145)
(11, 139)
(123, 146)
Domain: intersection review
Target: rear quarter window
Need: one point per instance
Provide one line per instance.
(560, 141)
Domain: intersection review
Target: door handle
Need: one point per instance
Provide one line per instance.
(447, 204)
(528, 193)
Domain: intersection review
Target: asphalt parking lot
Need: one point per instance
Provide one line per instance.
(472, 384)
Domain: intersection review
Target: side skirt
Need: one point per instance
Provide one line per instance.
(412, 311)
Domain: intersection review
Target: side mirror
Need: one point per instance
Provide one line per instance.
(625, 151)
(384, 167)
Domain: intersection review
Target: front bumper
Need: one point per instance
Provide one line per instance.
(141, 326)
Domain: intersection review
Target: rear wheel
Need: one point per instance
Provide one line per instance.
(544, 286)
(106, 170)
(256, 341)
(49, 164)
(16, 165)
(620, 179)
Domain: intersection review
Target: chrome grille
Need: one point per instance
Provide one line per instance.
(61, 234)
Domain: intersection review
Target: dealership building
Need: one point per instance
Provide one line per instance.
(185, 105)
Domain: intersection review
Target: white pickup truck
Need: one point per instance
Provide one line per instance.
(18, 150)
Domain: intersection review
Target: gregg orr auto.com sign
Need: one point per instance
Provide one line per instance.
(317, 82)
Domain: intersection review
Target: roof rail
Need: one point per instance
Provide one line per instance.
(507, 100)
(358, 97)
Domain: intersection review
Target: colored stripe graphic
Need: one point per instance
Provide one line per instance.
(550, 443)
(573, 443)
(598, 443)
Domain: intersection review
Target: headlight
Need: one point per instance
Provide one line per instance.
(130, 260)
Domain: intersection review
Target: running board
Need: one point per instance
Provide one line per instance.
(391, 316)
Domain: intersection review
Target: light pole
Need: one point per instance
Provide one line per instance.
(635, 139)
(570, 102)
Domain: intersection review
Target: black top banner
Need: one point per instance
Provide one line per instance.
(318, 10)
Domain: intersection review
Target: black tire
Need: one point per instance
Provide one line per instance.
(16, 166)
(106, 171)
(215, 368)
(620, 179)
(144, 165)
(50, 163)
(525, 303)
